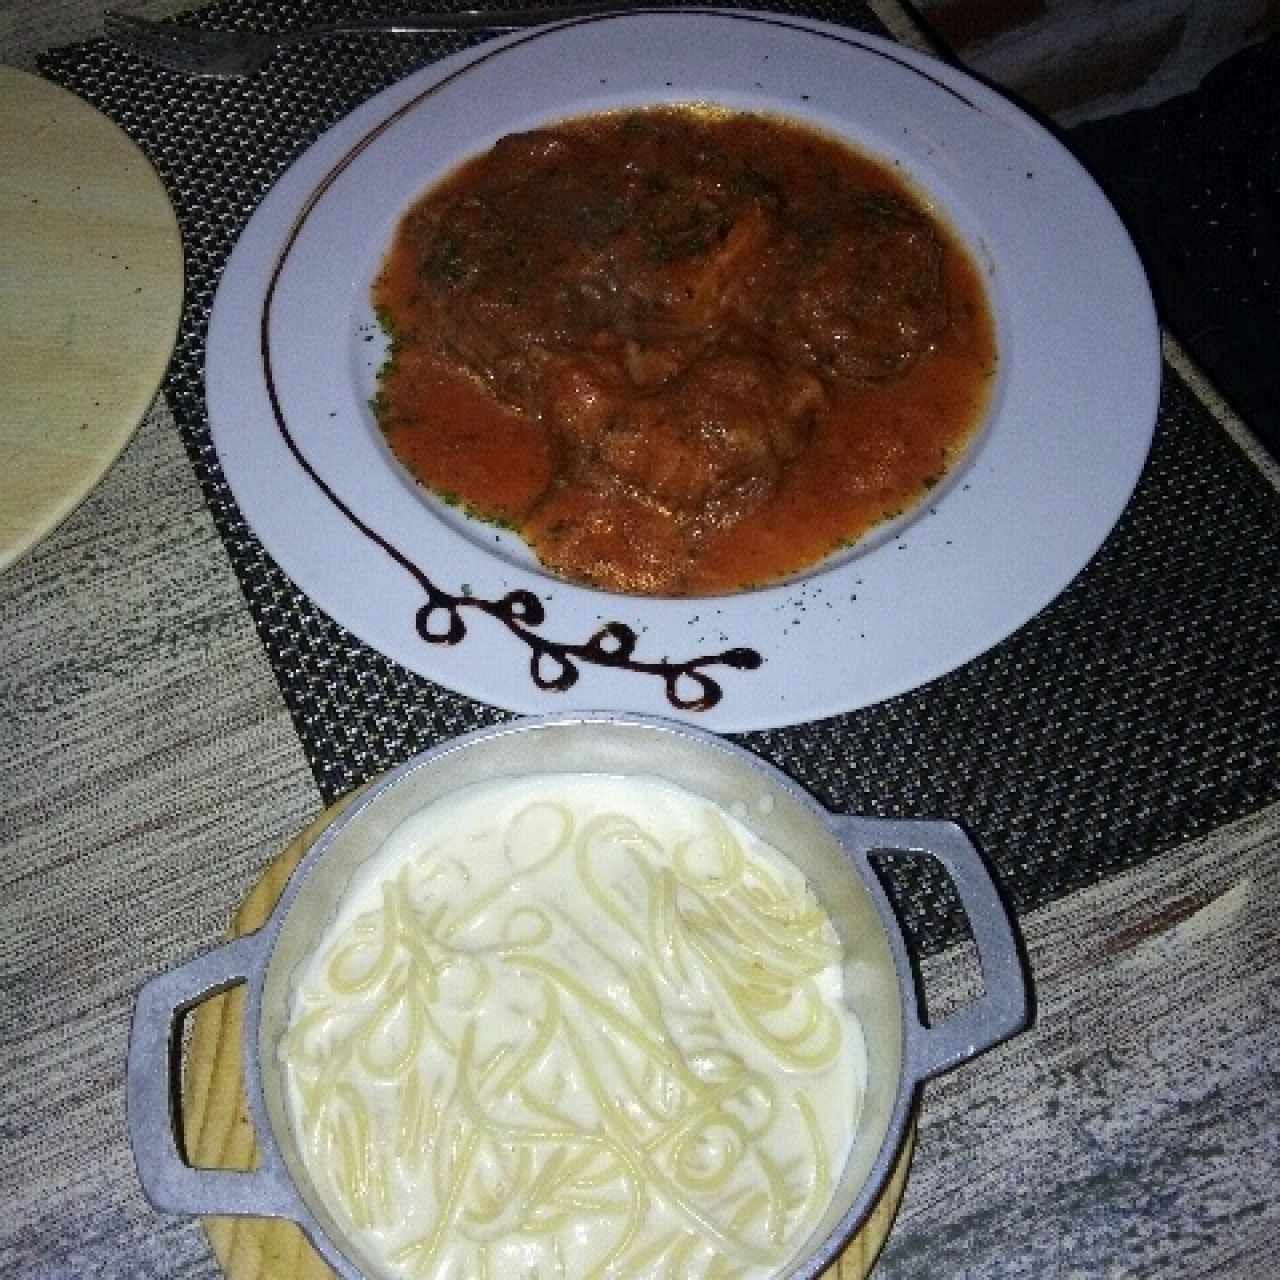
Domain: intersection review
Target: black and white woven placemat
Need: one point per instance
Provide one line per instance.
(1138, 711)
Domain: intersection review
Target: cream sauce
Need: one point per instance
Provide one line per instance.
(575, 1026)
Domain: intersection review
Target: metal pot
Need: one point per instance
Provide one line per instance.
(833, 851)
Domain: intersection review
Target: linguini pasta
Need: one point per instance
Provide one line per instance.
(575, 1026)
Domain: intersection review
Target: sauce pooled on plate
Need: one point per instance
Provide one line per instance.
(682, 351)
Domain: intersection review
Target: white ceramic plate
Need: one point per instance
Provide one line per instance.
(293, 353)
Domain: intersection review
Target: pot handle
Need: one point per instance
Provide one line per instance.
(1004, 1006)
(170, 1183)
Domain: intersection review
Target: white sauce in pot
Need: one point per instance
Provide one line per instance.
(573, 1026)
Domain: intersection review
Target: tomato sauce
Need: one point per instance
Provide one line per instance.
(878, 413)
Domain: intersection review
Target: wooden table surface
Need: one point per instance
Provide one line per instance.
(149, 771)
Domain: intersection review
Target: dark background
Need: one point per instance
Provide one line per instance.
(1196, 178)
(1198, 181)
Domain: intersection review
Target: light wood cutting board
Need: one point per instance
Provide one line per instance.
(219, 1131)
(90, 294)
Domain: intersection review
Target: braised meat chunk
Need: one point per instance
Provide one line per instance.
(714, 439)
(698, 452)
(865, 301)
(554, 247)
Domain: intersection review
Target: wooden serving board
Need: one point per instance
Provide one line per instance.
(90, 292)
(219, 1132)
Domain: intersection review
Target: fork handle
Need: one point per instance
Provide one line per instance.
(483, 19)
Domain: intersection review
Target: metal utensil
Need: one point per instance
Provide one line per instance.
(200, 51)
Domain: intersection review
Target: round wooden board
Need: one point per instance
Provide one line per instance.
(219, 1132)
(91, 264)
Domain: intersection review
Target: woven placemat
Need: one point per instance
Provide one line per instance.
(1138, 711)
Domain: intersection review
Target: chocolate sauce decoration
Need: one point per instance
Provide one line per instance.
(553, 664)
